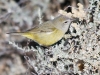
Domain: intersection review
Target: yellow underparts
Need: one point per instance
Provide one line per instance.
(45, 39)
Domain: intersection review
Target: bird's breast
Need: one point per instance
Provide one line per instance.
(48, 38)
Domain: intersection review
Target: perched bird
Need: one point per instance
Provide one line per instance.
(48, 32)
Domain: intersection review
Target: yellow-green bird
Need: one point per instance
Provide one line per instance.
(48, 32)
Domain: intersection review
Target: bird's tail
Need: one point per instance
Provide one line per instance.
(15, 33)
(25, 34)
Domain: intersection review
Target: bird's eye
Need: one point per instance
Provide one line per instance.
(65, 22)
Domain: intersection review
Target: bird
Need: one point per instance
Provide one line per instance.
(49, 32)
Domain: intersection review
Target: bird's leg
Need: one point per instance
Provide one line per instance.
(27, 44)
(28, 41)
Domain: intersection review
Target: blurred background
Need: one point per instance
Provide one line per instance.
(21, 15)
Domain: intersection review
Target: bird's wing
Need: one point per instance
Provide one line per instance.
(43, 28)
